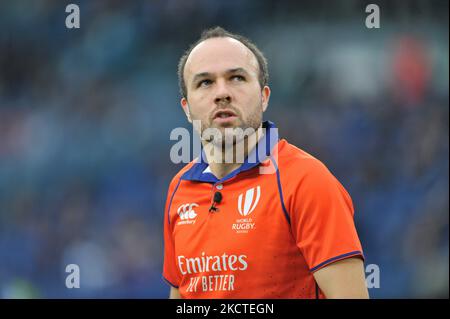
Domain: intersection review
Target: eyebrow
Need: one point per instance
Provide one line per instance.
(199, 76)
(202, 75)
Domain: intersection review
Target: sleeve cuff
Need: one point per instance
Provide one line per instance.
(169, 282)
(337, 258)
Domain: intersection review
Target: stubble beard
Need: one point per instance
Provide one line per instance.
(227, 136)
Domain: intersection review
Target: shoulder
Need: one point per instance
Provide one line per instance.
(297, 163)
(305, 177)
(301, 172)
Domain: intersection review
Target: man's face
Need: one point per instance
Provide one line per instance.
(221, 77)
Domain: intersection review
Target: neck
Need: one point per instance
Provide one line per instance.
(224, 159)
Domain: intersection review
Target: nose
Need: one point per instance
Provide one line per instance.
(222, 95)
(223, 99)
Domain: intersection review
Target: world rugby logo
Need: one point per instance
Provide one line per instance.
(250, 201)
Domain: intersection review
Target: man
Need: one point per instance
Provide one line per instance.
(278, 224)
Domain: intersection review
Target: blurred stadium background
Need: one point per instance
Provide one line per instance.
(85, 118)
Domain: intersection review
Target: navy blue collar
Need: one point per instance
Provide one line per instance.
(260, 153)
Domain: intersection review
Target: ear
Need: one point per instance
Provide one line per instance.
(265, 96)
(185, 106)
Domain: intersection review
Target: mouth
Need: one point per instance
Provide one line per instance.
(224, 116)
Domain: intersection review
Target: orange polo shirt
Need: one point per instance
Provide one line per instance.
(272, 230)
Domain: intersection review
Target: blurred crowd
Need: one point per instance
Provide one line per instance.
(86, 114)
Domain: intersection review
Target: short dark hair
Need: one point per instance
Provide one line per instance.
(219, 32)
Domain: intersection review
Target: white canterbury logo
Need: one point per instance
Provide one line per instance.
(186, 211)
(249, 202)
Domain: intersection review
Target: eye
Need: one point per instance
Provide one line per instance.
(204, 83)
(238, 78)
